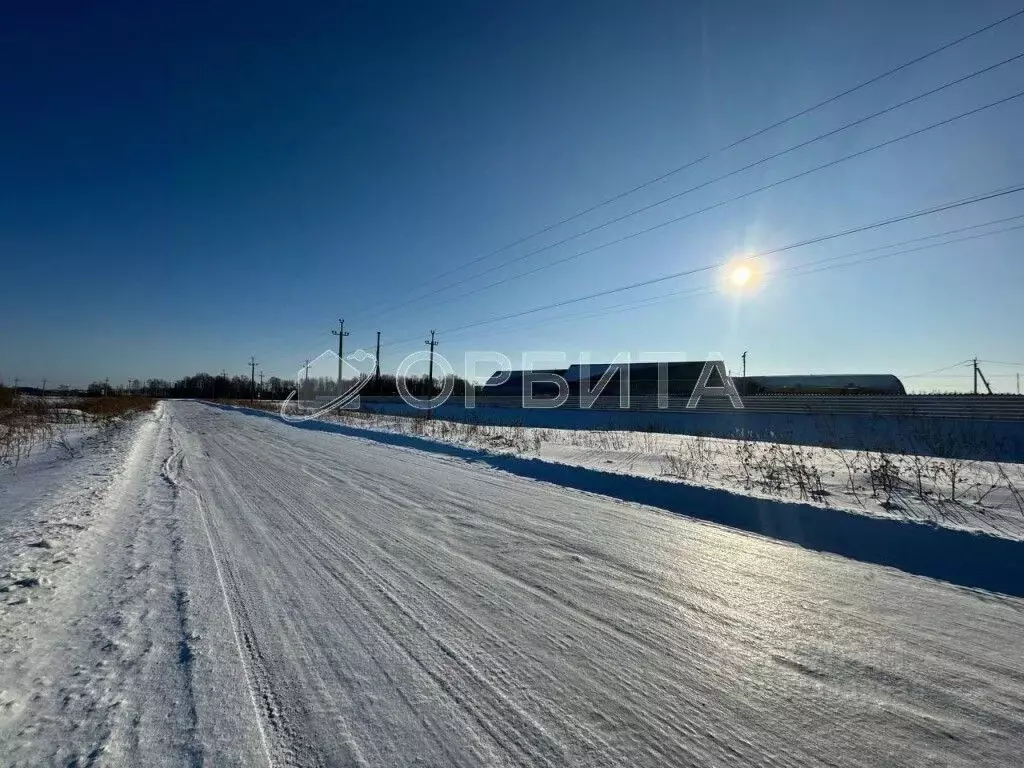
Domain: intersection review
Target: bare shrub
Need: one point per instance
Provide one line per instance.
(649, 442)
(884, 475)
(1015, 491)
(616, 440)
(745, 455)
(803, 472)
(681, 464)
(61, 441)
(770, 467)
(851, 463)
(953, 470)
(919, 467)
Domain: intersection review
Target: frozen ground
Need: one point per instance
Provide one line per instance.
(238, 591)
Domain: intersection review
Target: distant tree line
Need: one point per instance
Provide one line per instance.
(223, 387)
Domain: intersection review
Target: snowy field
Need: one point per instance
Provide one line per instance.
(204, 586)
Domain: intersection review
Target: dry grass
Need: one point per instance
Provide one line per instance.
(108, 407)
(29, 424)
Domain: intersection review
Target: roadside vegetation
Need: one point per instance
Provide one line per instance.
(30, 423)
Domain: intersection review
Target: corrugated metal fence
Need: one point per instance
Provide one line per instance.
(990, 407)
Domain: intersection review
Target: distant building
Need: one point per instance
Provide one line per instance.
(827, 384)
(681, 377)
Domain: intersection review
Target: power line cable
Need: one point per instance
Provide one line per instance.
(805, 111)
(915, 250)
(722, 263)
(678, 195)
(697, 291)
(939, 370)
(882, 76)
(795, 270)
(735, 198)
(993, 194)
(968, 376)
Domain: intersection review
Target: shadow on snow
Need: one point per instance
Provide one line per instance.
(968, 559)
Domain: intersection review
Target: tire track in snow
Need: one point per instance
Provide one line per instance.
(272, 486)
(582, 617)
(171, 472)
(671, 642)
(505, 712)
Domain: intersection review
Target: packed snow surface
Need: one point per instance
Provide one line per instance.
(968, 495)
(212, 587)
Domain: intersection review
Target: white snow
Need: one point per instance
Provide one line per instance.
(243, 592)
(987, 496)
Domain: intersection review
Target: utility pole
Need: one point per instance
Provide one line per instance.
(259, 392)
(430, 374)
(744, 372)
(974, 363)
(341, 333)
(376, 364)
(252, 377)
(984, 381)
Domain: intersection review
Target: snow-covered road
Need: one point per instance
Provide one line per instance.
(250, 593)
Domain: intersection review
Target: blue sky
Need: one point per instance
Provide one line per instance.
(183, 187)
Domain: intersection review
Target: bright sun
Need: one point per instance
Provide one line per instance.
(740, 276)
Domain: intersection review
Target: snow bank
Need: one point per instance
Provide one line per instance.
(979, 439)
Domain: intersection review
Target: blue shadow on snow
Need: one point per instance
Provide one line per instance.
(973, 560)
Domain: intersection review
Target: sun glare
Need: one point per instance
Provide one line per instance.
(740, 275)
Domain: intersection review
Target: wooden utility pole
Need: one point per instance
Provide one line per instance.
(341, 333)
(430, 371)
(978, 373)
(252, 378)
